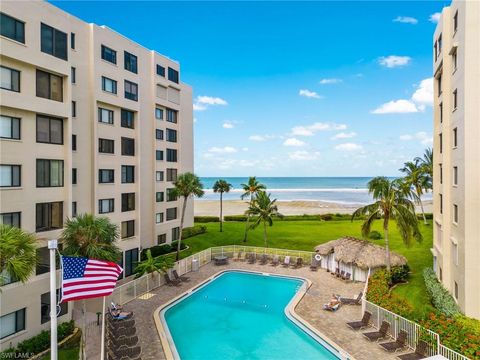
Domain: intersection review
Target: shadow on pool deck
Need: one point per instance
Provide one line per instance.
(331, 324)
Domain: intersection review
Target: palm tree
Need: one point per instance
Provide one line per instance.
(159, 264)
(18, 256)
(91, 237)
(391, 202)
(417, 179)
(264, 209)
(426, 162)
(221, 186)
(187, 185)
(251, 189)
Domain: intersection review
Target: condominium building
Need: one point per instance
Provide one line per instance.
(91, 122)
(456, 175)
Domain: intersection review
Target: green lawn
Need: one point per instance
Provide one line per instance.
(65, 354)
(305, 235)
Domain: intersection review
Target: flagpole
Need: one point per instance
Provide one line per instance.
(52, 246)
(102, 346)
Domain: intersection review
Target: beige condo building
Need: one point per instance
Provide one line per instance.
(456, 176)
(91, 122)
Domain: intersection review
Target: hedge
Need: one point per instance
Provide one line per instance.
(305, 217)
(235, 218)
(206, 219)
(375, 235)
(440, 297)
(193, 231)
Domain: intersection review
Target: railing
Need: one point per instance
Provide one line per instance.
(449, 353)
(307, 256)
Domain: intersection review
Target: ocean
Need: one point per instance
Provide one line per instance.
(341, 190)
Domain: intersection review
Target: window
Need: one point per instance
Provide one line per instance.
(171, 116)
(12, 219)
(455, 138)
(12, 323)
(9, 79)
(173, 75)
(43, 260)
(440, 197)
(159, 196)
(159, 175)
(158, 114)
(172, 175)
(45, 307)
(455, 213)
(49, 86)
(73, 75)
(456, 290)
(128, 202)
(74, 176)
(455, 253)
(161, 91)
(441, 173)
(109, 55)
(171, 196)
(105, 116)
(440, 141)
(128, 146)
(175, 233)
(128, 229)
(49, 130)
(440, 274)
(128, 174)
(13, 29)
(53, 42)
(49, 173)
(106, 146)
(74, 209)
(131, 260)
(159, 155)
(171, 214)
(10, 175)
(9, 127)
(49, 216)
(439, 84)
(172, 135)
(454, 60)
(74, 109)
(72, 40)
(159, 218)
(158, 134)
(455, 22)
(160, 70)
(441, 112)
(109, 85)
(439, 45)
(106, 206)
(130, 62)
(161, 239)
(171, 155)
(455, 175)
(120, 262)
(127, 119)
(131, 90)
(106, 176)
(455, 99)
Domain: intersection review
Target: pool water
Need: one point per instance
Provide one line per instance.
(240, 315)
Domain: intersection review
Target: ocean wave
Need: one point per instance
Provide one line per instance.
(351, 190)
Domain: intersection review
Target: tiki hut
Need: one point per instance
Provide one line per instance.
(355, 256)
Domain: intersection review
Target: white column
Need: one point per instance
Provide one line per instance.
(52, 246)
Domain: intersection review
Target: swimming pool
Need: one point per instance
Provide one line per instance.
(241, 315)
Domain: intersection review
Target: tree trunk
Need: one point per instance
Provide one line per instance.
(421, 207)
(84, 330)
(387, 244)
(265, 233)
(181, 227)
(221, 212)
(246, 223)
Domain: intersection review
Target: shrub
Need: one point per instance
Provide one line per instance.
(206, 219)
(399, 274)
(440, 297)
(375, 235)
(194, 230)
(164, 249)
(428, 216)
(235, 218)
(300, 217)
(326, 217)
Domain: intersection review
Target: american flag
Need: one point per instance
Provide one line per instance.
(85, 278)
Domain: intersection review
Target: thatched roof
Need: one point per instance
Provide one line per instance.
(359, 252)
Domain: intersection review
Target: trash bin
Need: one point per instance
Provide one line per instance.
(195, 265)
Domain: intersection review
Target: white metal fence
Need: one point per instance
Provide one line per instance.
(307, 256)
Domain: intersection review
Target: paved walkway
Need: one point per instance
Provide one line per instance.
(332, 325)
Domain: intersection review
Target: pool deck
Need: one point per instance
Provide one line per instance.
(331, 324)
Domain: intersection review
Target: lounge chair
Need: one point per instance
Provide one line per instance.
(286, 261)
(380, 334)
(242, 255)
(421, 351)
(358, 325)
(235, 256)
(351, 301)
(251, 258)
(340, 274)
(298, 263)
(263, 259)
(346, 276)
(336, 273)
(314, 265)
(171, 282)
(275, 260)
(178, 277)
(397, 345)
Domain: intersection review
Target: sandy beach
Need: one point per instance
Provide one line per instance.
(236, 207)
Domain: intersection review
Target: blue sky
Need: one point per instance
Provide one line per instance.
(294, 88)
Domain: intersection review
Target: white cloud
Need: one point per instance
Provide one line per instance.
(394, 61)
(261, 137)
(424, 93)
(421, 136)
(344, 135)
(245, 149)
(434, 18)
(330, 81)
(396, 107)
(348, 147)
(203, 102)
(293, 142)
(309, 94)
(303, 155)
(310, 130)
(228, 125)
(220, 150)
(406, 20)
(199, 107)
(406, 137)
